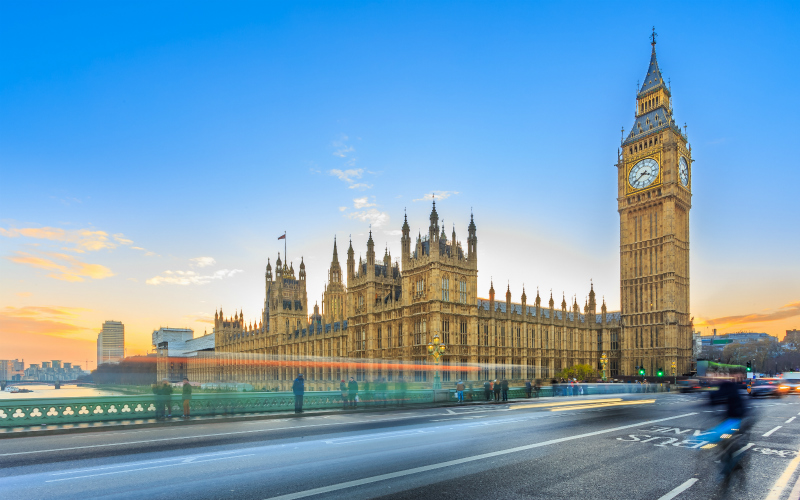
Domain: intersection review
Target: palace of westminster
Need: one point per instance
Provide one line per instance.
(387, 314)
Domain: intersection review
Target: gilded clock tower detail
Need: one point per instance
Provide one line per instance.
(654, 199)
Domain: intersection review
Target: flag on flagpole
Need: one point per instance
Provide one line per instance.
(282, 237)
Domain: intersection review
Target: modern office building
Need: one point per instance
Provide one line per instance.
(111, 343)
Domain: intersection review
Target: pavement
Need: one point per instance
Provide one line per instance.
(627, 446)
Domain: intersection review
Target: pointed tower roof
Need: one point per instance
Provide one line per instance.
(302, 264)
(405, 222)
(335, 252)
(653, 79)
(471, 222)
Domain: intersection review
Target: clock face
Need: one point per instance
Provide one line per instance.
(683, 171)
(643, 173)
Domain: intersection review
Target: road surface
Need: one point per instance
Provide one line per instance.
(630, 446)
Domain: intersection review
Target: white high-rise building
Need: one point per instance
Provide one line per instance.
(111, 343)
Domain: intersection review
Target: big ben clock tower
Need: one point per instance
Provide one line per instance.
(654, 198)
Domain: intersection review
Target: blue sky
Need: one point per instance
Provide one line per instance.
(205, 129)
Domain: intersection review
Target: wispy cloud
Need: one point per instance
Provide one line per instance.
(349, 175)
(373, 216)
(437, 195)
(360, 186)
(393, 232)
(80, 240)
(341, 148)
(788, 311)
(42, 320)
(65, 267)
(202, 261)
(362, 203)
(342, 209)
(191, 277)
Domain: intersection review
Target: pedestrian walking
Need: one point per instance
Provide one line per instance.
(159, 399)
(528, 389)
(487, 390)
(186, 395)
(402, 387)
(460, 391)
(504, 389)
(343, 389)
(299, 389)
(352, 392)
(166, 391)
(496, 387)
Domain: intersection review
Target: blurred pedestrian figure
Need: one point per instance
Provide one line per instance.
(299, 389)
(352, 392)
(504, 389)
(528, 388)
(343, 389)
(487, 390)
(166, 391)
(159, 399)
(537, 386)
(460, 391)
(470, 391)
(403, 387)
(496, 387)
(554, 385)
(186, 395)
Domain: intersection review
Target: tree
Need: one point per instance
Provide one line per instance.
(580, 372)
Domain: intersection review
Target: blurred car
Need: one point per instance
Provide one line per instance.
(793, 386)
(762, 387)
(689, 385)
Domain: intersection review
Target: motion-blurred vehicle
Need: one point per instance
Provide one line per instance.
(689, 385)
(762, 387)
(792, 380)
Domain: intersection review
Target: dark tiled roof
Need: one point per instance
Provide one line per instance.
(653, 80)
(653, 121)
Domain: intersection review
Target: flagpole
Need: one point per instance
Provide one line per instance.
(285, 256)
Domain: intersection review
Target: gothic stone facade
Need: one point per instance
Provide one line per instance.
(387, 313)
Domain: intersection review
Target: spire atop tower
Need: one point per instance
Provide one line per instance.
(335, 252)
(653, 79)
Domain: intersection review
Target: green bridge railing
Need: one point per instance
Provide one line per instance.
(134, 408)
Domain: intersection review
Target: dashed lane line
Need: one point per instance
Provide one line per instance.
(790, 420)
(680, 489)
(769, 432)
(449, 463)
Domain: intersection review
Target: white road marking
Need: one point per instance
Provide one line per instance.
(449, 463)
(185, 462)
(197, 436)
(769, 433)
(743, 449)
(680, 489)
(789, 421)
(195, 457)
(780, 484)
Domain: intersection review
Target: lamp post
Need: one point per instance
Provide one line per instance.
(603, 363)
(436, 348)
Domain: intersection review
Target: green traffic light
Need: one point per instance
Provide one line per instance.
(660, 373)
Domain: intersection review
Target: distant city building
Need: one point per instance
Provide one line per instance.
(792, 336)
(736, 338)
(11, 369)
(111, 343)
(175, 348)
(51, 371)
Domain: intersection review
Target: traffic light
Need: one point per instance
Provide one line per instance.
(660, 372)
(749, 366)
(641, 372)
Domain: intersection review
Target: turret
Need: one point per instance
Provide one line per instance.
(524, 300)
(592, 306)
(387, 262)
(278, 268)
(472, 241)
(370, 255)
(405, 242)
(433, 232)
(268, 274)
(351, 264)
(302, 269)
(491, 297)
